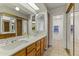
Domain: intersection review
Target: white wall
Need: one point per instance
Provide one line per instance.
(24, 25)
(77, 21)
(77, 25)
(0, 24)
(68, 31)
(30, 25)
(59, 11)
(58, 22)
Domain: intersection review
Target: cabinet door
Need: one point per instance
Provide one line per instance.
(32, 53)
(42, 46)
(38, 45)
(38, 53)
(21, 53)
(30, 48)
(44, 42)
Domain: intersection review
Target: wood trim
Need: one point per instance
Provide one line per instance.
(48, 28)
(8, 35)
(69, 7)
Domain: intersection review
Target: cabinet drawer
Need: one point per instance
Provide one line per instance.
(32, 53)
(31, 47)
(38, 45)
(21, 53)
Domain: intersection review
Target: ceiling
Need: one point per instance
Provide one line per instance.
(53, 5)
(12, 6)
(25, 8)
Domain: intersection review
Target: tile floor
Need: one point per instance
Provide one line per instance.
(56, 51)
(77, 47)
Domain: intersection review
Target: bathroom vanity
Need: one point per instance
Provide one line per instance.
(21, 37)
(32, 46)
(34, 49)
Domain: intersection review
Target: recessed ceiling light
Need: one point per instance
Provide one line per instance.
(33, 6)
(17, 8)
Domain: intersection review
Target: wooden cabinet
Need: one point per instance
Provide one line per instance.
(38, 53)
(8, 35)
(45, 41)
(31, 50)
(42, 46)
(32, 53)
(35, 49)
(38, 45)
(21, 53)
(38, 48)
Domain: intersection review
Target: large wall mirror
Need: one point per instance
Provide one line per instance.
(33, 24)
(40, 22)
(8, 24)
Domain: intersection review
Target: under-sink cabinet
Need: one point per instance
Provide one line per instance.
(31, 50)
(21, 53)
(38, 48)
(35, 49)
(42, 46)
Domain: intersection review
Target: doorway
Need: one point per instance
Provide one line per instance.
(70, 32)
(57, 30)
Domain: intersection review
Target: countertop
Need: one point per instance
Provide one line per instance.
(34, 38)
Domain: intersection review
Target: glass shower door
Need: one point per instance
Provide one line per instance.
(70, 31)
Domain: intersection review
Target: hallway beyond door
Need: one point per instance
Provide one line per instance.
(58, 50)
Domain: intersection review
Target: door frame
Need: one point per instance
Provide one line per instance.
(71, 5)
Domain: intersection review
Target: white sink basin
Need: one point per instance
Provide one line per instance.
(14, 45)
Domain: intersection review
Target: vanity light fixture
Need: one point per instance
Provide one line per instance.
(33, 5)
(17, 8)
